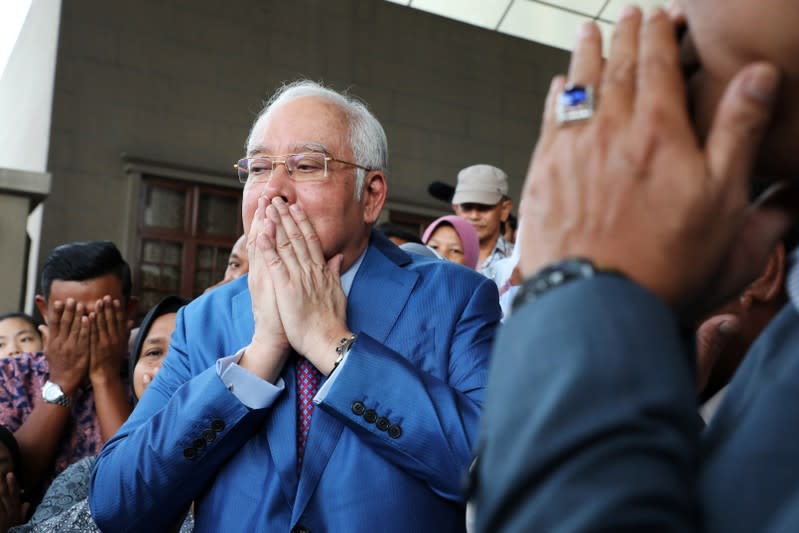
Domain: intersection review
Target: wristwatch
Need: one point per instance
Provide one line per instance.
(53, 393)
(555, 275)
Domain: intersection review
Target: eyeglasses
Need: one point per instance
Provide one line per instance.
(306, 166)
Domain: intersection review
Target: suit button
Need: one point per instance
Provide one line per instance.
(370, 415)
(199, 444)
(358, 408)
(382, 423)
(218, 425)
(395, 431)
(299, 529)
(209, 435)
(189, 453)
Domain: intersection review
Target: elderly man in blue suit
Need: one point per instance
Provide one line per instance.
(338, 386)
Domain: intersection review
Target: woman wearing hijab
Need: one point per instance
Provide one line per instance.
(454, 239)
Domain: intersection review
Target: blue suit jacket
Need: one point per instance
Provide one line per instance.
(591, 422)
(424, 329)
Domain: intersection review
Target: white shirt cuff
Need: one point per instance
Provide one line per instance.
(321, 394)
(251, 390)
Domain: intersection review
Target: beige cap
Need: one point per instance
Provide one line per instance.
(480, 184)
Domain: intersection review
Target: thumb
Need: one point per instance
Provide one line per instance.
(739, 124)
(334, 264)
(712, 338)
(45, 332)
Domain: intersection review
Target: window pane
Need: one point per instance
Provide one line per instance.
(150, 276)
(205, 257)
(170, 279)
(202, 280)
(222, 255)
(152, 252)
(172, 253)
(218, 215)
(164, 208)
(148, 300)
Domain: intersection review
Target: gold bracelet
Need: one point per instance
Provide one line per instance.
(343, 347)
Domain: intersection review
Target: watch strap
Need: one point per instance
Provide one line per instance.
(556, 275)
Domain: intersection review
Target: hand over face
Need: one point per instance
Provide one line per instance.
(12, 511)
(307, 287)
(269, 340)
(632, 189)
(67, 343)
(108, 338)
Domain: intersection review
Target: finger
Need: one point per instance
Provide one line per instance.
(99, 322)
(283, 245)
(45, 332)
(311, 238)
(660, 87)
(13, 487)
(712, 338)
(676, 12)
(67, 317)
(83, 332)
(618, 80)
(549, 124)
(334, 265)
(256, 225)
(77, 316)
(93, 333)
(113, 327)
(738, 126)
(265, 245)
(120, 321)
(54, 316)
(585, 67)
(295, 236)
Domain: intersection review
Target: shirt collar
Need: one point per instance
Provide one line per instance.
(348, 276)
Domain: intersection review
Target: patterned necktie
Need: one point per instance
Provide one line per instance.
(308, 381)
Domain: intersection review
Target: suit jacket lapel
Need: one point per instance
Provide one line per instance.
(379, 293)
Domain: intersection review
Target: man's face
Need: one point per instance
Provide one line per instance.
(238, 263)
(723, 36)
(486, 219)
(341, 222)
(85, 292)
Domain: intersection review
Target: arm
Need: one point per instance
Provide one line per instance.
(438, 418)
(590, 419)
(149, 462)
(67, 352)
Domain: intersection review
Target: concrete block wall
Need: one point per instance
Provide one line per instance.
(180, 81)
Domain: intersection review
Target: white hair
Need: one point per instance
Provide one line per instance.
(367, 137)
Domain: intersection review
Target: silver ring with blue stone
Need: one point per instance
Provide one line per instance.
(575, 103)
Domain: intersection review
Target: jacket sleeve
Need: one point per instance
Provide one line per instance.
(182, 430)
(423, 424)
(590, 419)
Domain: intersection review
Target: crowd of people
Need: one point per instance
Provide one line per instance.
(344, 375)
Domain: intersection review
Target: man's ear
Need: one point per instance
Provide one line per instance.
(41, 305)
(771, 282)
(374, 195)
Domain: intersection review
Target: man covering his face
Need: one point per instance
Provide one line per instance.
(318, 394)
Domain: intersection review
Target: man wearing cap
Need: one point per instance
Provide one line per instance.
(481, 198)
